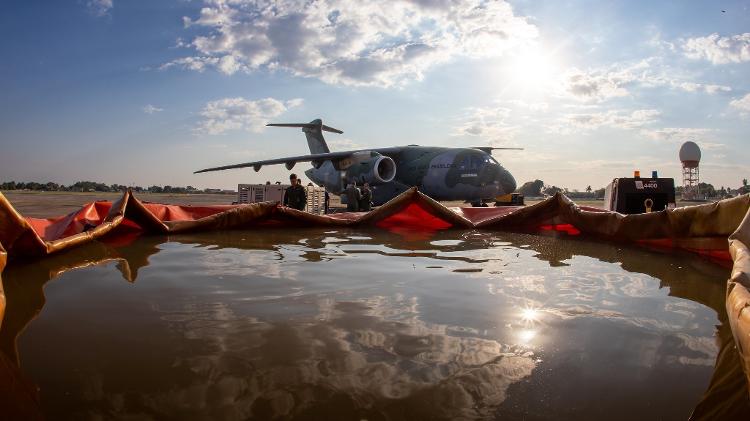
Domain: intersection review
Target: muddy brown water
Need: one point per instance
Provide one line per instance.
(364, 324)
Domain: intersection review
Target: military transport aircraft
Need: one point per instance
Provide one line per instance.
(469, 174)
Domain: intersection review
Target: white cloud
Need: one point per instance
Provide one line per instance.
(656, 41)
(342, 144)
(294, 102)
(613, 118)
(682, 134)
(531, 106)
(614, 81)
(365, 42)
(151, 109)
(198, 64)
(713, 146)
(241, 114)
(718, 49)
(699, 87)
(489, 123)
(596, 85)
(99, 7)
(742, 104)
(229, 64)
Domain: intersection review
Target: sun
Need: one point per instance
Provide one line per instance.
(532, 68)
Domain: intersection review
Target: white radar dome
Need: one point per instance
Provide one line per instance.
(690, 153)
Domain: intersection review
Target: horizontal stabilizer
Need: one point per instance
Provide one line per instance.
(307, 126)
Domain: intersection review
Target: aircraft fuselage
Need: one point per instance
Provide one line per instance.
(468, 174)
(439, 172)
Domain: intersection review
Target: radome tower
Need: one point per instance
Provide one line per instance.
(690, 156)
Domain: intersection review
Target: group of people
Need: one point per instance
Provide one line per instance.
(357, 199)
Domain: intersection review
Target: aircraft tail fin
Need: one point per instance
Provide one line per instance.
(314, 133)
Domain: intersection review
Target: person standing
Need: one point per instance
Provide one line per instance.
(353, 196)
(304, 193)
(295, 195)
(366, 202)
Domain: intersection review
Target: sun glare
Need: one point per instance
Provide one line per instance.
(529, 315)
(526, 335)
(533, 68)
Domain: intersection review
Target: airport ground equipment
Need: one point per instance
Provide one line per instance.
(640, 195)
(256, 193)
(512, 199)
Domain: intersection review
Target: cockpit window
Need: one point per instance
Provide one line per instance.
(476, 161)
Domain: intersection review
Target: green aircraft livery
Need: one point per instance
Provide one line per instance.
(469, 174)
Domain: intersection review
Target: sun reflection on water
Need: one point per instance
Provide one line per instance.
(529, 314)
(526, 335)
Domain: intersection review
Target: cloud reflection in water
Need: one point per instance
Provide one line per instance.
(305, 323)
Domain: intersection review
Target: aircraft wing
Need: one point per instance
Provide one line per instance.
(336, 157)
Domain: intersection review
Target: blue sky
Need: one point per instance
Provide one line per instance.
(147, 91)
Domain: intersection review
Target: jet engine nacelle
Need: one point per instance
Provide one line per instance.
(378, 169)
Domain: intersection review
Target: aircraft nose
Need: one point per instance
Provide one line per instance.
(507, 182)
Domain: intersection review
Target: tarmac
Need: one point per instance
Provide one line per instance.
(52, 204)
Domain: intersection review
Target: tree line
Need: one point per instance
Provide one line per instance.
(92, 186)
(538, 188)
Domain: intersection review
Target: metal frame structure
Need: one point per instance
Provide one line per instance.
(690, 180)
